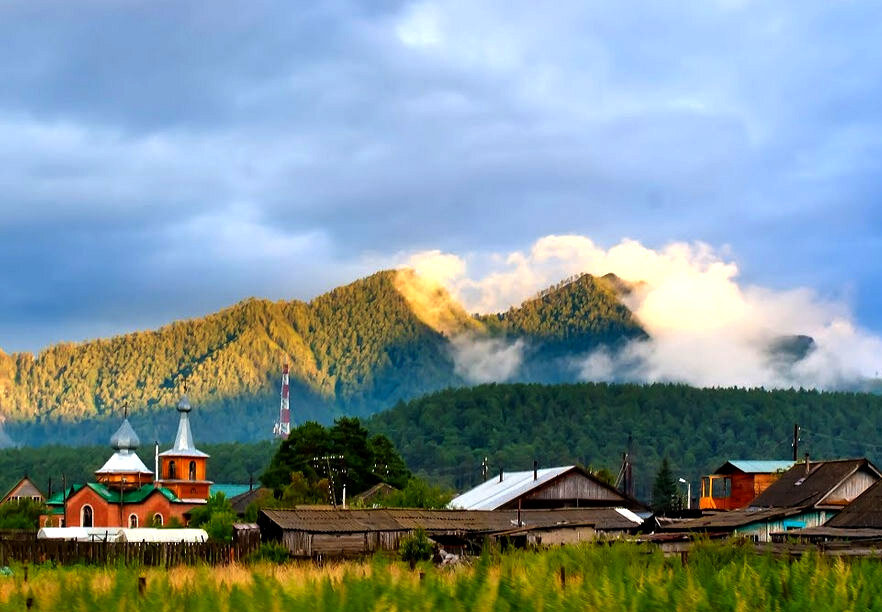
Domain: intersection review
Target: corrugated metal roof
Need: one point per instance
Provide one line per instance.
(760, 466)
(493, 493)
(476, 521)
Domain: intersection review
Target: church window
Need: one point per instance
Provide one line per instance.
(157, 520)
(172, 473)
(192, 470)
(133, 520)
(86, 516)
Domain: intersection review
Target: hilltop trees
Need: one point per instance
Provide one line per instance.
(345, 454)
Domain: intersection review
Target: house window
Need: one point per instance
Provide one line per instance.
(721, 487)
(133, 520)
(86, 516)
(172, 474)
(192, 470)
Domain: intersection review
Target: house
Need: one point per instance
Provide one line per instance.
(859, 520)
(126, 494)
(24, 489)
(311, 532)
(738, 481)
(569, 486)
(806, 495)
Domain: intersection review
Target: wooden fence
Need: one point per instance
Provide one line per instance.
(163, 554)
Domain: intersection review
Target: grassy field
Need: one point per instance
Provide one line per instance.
(621, 577)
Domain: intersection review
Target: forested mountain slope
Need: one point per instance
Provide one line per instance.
(353, 351)
(447, 434)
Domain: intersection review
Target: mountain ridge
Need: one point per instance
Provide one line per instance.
(354, 350)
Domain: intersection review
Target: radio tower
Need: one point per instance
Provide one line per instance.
(283, 427)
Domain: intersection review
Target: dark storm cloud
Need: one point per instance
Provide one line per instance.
(163, 159)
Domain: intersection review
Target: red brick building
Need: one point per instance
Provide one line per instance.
(126, 493)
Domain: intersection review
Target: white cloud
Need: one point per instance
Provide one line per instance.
(707, 328)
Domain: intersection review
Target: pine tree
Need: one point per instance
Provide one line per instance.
(665, 496)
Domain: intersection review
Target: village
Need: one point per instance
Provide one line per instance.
(829, 504)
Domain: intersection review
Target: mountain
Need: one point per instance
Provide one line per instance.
(352, 351)
(446, 435)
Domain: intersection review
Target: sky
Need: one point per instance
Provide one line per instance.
(161, 160)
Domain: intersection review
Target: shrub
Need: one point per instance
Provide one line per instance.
(274, 552)
(416, 547)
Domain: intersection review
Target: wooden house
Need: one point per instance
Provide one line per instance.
(24, 489)
(737, 482)
(859, 520)
(558, 487)
(807, 495)
(311, 532)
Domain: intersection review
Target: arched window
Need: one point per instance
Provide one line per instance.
(171, 470)
(157, 520)
(133, 520)
(192, 470)
(86, 516)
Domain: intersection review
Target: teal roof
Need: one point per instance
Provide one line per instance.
(229, 490)
(751, 466)
(128, 497)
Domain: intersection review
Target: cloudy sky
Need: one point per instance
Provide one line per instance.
(164, 159)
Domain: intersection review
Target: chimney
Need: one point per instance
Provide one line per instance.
(807, 464)
(535, 470)
(500, 473)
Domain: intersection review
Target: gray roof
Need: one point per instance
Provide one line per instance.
(184, 446)
(124, 462)
(125, 437)
(801, 488)
(728, 521)
(446, 521)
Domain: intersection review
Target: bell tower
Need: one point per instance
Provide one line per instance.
(183, 468)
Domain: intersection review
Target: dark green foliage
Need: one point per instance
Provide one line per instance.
(665, 496)
(21, 514)
(345, 454)
(418, 493)
(416, 547)
(216, 517)
(272, 552)
(446, 435)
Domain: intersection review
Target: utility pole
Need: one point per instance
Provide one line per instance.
(795, 442)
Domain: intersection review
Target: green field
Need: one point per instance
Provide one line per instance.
(597, 577)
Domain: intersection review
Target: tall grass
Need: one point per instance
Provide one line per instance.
(596, 577)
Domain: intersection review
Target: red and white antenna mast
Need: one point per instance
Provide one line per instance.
(283, 427)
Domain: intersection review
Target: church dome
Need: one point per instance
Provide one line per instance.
(125, 437)
(184, 404)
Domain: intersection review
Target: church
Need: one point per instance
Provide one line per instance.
(128, 494)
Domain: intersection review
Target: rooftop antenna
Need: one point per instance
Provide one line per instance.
(282, 428)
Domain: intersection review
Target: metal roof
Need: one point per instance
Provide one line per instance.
(495, 493)
(124, 461)
(125, 437)
(184, 446)
(733, 519)
(758, 466)
(475, 521)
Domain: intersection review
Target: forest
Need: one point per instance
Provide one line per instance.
(445, 436)
(353, 351)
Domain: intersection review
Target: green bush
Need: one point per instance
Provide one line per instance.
(274, 552)
(416, 547)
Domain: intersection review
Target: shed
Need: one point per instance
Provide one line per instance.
(345, 532)
(568, 486)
